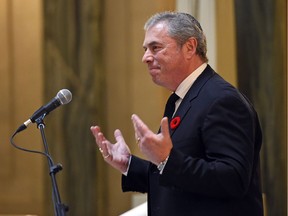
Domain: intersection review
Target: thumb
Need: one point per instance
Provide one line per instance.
(118, 135)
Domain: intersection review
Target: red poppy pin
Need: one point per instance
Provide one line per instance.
(175, 122)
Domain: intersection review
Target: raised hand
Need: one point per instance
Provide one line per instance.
(156, 147)
(116, 154)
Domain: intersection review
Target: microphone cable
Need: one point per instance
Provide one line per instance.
(29, 150)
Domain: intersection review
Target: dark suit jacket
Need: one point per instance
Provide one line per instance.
(213, 165)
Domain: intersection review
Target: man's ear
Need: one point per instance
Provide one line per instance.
(190, 47)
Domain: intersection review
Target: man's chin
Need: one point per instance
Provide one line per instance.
(157, 81)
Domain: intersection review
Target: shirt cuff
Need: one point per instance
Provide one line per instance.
(126, 173)
(162, 165)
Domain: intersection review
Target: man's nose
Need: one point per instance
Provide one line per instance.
(147, 57)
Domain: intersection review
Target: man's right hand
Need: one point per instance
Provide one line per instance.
(117, 154)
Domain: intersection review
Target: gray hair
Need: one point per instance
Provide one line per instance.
(181, 27)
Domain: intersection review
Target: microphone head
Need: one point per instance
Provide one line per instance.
(64, 96)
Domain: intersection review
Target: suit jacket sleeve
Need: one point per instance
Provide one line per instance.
(137, 178)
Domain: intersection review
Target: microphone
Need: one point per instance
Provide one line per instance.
(64, 96)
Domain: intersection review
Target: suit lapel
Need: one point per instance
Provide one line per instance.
(192, 94)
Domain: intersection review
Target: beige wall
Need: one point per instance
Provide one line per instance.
(21, 173)
(226, 40)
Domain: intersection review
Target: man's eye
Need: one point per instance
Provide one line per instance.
(156, 48)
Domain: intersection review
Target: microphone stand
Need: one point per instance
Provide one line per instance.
(59, 208)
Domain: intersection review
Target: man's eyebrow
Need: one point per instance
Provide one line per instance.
(150, 44)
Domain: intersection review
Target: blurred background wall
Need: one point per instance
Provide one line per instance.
(94, 48)
(21, 91)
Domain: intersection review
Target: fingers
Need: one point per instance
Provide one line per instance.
(139, 126)
(100, 141)
(104, 150)
(165, 127)
(96, 131)
(136, 122)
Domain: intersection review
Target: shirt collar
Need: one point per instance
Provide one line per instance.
(186, 84)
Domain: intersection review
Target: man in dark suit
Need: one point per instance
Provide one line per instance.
(205, 159)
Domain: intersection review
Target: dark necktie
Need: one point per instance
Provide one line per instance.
(170, 106)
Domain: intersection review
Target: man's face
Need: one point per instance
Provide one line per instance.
(163, 57)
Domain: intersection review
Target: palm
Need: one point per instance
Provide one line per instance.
(119, 152)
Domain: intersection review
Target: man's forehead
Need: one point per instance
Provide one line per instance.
(156, 34)
(158, 28)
